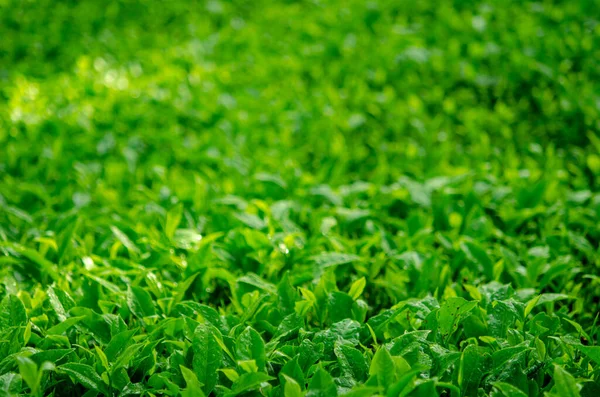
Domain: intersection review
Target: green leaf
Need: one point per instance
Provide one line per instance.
(30, 374)
(339, 305)
(512, 354)
(118, 344)
(85, 375)
(292, 370)
(383, 368)
(94, 323)
(474, 363)
(405, 384)
(207, 356)
(593, 352)
(546, 298)
(479, 256)
(565, 384)
(530, 305)
(418, 192)
(357, 288)
(188, 239)
(10, 384)
(331, 259)
(509, 390)
(173, 220)
(193, 386)
(52, 355)
(251, 220)
(250, 346)
(321, 385)
(60, 328)
(124, 239)
(352, 363)
(125, 357)
(12, 312)
(579, 328)
(286, 294)
(451, 313)
(362, 391)
(291, 388)
(139, 302)
(60, 302)
(258, 282)
(102, 357)
(502, 316)
(66, 237)
(248, 382)
(136, 389)
(183, 287)
(43, 265)
(531, 195)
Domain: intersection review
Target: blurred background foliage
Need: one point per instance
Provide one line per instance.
(338, 90)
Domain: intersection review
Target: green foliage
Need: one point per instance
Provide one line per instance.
(299, 198)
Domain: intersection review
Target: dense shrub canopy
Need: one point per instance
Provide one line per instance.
(286, 198)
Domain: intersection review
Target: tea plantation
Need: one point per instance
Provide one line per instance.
(300, 198)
